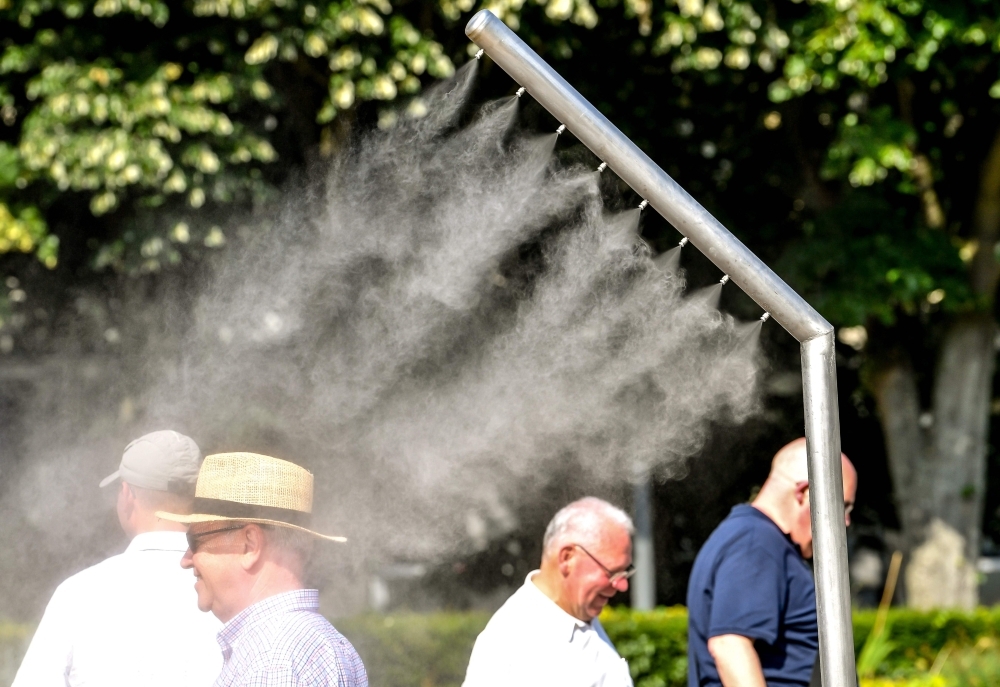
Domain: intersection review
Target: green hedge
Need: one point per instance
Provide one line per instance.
(919, 636)
(418, 650)
(653, 642)
(432, 650)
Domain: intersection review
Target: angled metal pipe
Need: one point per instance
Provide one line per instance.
(819, 374)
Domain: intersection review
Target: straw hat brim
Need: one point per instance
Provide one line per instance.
(207, 517)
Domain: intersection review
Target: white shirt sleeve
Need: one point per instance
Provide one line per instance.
(51, 650)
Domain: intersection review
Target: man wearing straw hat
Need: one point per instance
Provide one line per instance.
(131, 620)
(249, 540)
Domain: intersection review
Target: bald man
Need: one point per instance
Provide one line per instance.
(548, 633)
(751, 597)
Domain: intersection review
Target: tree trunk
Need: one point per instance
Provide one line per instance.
(938, 459)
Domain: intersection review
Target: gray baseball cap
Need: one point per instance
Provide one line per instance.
(165, 461)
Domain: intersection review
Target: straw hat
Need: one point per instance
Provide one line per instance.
(249, 487)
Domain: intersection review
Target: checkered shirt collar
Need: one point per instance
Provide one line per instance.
(242, 623)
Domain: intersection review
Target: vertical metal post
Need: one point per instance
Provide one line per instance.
(826, 499)
(791, 311)
(643, 583)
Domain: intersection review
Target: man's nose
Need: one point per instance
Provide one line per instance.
(187, 561)
(621, 585)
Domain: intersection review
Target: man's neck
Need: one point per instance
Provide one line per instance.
(772, 510)
(549, 583)
(155, 525)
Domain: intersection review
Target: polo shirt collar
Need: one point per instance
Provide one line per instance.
(158, 541)
(751, 511)
(549, 612)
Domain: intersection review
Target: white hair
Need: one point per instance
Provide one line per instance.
(583, 520)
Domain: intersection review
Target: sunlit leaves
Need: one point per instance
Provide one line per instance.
(865, 152)
(94, 131)
(25, 231)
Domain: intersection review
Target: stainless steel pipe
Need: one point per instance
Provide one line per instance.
(819, 374)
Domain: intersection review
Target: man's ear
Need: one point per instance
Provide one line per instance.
(253, 546)
(127, 499)
(801, 491)
(566, 554)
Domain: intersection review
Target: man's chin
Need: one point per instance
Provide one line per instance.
(596, 609)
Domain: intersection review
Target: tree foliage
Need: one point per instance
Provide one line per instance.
(904, 94)
(174, 107)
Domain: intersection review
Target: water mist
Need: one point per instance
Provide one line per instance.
(435, 327)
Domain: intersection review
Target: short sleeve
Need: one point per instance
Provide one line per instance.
(748, 593)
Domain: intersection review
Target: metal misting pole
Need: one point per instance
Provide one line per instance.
(643, 583)
(815, 334)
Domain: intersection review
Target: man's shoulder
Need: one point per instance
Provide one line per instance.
(306, 646)
(746, 528)
(303, 635)
(125, 568)
(98, 574)
(513, 610)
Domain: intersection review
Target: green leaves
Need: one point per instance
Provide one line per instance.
(866, 151)
(866, 259)
(93, 130)
(185, 118)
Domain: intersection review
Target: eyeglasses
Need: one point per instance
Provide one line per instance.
(613, 577)
(194, 538)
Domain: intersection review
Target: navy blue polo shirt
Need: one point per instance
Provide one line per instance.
(750, 579)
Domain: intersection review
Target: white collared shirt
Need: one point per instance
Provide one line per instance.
(129, 621)
(531, 641)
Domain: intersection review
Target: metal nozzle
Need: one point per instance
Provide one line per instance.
(562, 128)
(765, 317)
(520, 91)
(683, 242)
(601, 167)
(480, 53)
(724, 279)
(643, 204)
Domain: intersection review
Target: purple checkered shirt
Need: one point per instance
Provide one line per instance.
(284, 641)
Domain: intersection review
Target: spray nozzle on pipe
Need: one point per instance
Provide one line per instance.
(601, 167)
(765, 317)
(480, 53)
(520, 91)
(683, 242)
(562, 128)
(643, 204)
(724, 279)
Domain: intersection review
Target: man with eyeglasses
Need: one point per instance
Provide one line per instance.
(133, 619)
(751, 596)
(249, 543)
(548, 633)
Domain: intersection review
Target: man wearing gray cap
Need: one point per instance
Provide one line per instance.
(133, 619)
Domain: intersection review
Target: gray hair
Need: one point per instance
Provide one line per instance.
(583, 520)
(289, 539)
